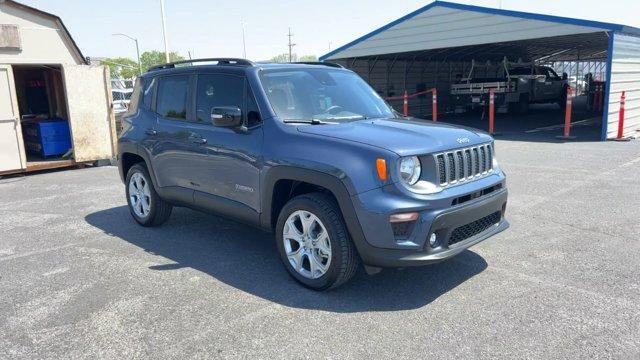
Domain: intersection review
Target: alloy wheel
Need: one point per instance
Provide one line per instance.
(307, 244)
(139, 195)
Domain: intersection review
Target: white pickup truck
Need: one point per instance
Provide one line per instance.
(515, 87)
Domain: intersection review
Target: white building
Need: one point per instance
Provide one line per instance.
(44, 76)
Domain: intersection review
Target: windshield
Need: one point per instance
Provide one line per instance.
(322, 94)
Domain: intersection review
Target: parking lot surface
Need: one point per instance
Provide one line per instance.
(79, 279)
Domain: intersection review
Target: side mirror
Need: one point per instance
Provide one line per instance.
(565, 76)
(226, 116)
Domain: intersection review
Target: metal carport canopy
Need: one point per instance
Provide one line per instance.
(444, 31)
(442, 25)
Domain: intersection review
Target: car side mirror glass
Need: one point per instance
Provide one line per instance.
(226, 116)
(565, 76)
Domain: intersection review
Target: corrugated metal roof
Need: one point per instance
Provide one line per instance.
(441, 25)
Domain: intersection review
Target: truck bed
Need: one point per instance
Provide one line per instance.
(474, 87)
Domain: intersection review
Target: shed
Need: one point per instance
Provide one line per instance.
(452, 36)
(54, 107)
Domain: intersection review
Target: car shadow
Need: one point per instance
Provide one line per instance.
(247, 259)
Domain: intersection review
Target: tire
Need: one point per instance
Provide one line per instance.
(158, 210)
(343, 261)
(562, 102)
(521, 107)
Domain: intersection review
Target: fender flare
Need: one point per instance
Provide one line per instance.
(327, 181)
(131, 148)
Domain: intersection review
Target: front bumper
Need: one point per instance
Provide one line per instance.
(457, 228)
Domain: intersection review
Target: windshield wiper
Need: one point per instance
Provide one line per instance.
(306, 121)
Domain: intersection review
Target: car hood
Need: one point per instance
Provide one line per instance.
(402, 136)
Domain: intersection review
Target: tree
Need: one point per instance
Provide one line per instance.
(155, 57)
(284, 58)
(311, 58)
(121, 67)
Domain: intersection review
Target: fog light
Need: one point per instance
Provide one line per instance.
(433, 240)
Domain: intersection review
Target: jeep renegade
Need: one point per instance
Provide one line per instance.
(312, 153)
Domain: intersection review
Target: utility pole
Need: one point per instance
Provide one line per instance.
(291, 45)
(164, 32)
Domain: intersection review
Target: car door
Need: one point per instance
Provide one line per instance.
(179, 154)
(541, 84)
(549, 90)
(234, 154)
(556, 88)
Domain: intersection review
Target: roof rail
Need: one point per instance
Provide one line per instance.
(220, 61)
(330, 64)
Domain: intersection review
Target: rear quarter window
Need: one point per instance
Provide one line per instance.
(148, 91)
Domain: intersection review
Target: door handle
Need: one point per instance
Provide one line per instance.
(150, 132)
(196, 140)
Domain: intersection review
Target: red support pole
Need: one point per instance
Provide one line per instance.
(621, 117)
(567, 116)
(434, 111)
(491, 111)
(405, 103)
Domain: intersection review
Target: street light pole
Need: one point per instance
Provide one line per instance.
(137, 50)
(244, 44)
(164, 32)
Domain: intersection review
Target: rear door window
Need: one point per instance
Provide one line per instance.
(172, 97)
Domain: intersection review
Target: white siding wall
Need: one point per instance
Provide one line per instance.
(625, 76)
(44, 41)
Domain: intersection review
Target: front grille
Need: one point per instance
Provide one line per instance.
(474, 228)
(464, 164)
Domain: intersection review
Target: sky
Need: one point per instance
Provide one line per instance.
(214, 28)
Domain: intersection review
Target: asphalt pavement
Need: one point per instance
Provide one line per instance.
(80, 279)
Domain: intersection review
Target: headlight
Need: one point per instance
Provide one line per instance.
(410, 169)
(495, 164)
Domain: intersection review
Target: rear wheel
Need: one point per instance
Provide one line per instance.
(314, 244)
(146, 207)
(521, 107)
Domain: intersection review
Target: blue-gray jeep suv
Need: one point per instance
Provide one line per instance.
(312, 153)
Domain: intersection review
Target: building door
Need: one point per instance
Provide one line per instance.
(91, 120)
(12, 155)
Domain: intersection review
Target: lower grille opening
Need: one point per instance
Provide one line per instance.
(475, 195)
(474, 228)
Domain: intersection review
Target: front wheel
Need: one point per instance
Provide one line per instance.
(314, 244)
(146, 207)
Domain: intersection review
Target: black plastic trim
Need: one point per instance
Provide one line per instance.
(225, 208)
